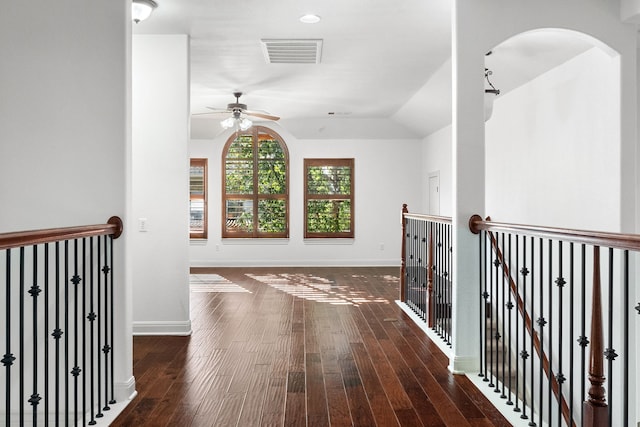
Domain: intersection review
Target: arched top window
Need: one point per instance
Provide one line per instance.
(255, 185)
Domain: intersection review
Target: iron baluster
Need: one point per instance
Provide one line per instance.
(84, 331)
(8, 358)
(66, 330)
(550, 278)
(106, 348)
(46, 334)
(517, 328)
(481, 310)
(524, 354)
(560, 282)
(21, 341)
(76, 369)
(625, 386)
(91, 317)
(35, 290)
(99, 414)
(610, 353)
(571, 328)
(532, 331)
(509, 308)
(504, 334)
(541, 323)
(113, 398)
(57, 334)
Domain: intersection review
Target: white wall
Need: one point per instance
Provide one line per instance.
(160, 184)
(436, 157)
(553, 151)
(64, 129)
(478, 26)
(388, 173)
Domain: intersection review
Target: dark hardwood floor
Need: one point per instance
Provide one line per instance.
(300, 347)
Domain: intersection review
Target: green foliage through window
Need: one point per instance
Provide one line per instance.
(329, 198)
(255, 190)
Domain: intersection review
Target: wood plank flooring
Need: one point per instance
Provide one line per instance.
(300, 347)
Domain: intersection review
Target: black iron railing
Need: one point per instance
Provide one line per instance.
(58, 324)
(426, 285)
(554, 321)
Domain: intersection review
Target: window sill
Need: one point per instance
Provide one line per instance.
(329, 241)
(252, 241)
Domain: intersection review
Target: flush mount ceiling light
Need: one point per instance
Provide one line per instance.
(141, 9)
(309, 19)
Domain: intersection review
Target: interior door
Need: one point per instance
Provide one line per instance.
(434, 194)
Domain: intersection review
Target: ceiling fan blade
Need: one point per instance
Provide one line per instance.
(212, 113)
(219, 110)
(261, 115)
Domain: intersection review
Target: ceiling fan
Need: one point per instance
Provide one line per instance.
(238, 111)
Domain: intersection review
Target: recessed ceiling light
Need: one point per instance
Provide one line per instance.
(310, 19)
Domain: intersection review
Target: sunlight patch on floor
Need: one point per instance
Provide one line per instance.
(316, 288)
(213, 283)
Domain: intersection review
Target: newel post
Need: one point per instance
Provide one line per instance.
(595, 407)
(403, 260)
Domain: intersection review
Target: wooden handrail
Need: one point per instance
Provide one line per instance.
(595, 238)
(113, 227)
(432, 218)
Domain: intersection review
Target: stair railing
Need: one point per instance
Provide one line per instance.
(426, 265)
(551, 284)
(57, 295)
(533, 334)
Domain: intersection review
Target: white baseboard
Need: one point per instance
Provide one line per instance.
(162, 328)
(125, 392)
(297, 263)
(422, 325)
(464, 365)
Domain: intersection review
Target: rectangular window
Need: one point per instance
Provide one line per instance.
(328, 199)
(198, 199)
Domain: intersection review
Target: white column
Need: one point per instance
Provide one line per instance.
(468, 185)
(160, 184)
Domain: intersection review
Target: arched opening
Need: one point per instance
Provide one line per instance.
(553, 142)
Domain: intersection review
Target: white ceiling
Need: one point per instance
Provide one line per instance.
(382, 61)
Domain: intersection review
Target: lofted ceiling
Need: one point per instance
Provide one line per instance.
(384, 66)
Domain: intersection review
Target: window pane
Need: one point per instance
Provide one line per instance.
(198, 198)
(272, 177)
(239, 176)
(272, 216)
(241, 148)
(269, 148)
(196, 209)
(328, 180)
(328, 216)
(239, 215)
(196, 180)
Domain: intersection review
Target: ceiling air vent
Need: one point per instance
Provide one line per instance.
(292, 51)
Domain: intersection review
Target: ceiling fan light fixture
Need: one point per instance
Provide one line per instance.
(239, 122)
(141, 9)
(228, 123)
(309, 18)
(245, 124)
